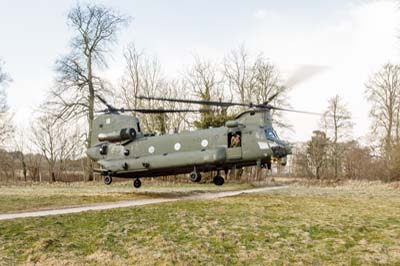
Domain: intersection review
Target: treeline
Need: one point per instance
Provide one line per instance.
(17, 167)
(53, 147)
(332, 153)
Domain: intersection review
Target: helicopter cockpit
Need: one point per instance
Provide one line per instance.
(281, 149)
(271, 135)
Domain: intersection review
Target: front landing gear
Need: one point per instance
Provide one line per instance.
(218, 180)
(107, 179)
(137, 183)
(195, 177)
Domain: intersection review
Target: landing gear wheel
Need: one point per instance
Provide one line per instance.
(218, 180)
(195, 177)
(137, 183)
(107, 179)
(269, 164)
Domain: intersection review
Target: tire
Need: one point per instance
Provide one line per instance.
(284, 161)
(218, 180)
(137, 183)
(269, 163)
(198, 178)
(107, 179)
(195, 177)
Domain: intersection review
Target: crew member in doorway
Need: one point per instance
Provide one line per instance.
(235, 141)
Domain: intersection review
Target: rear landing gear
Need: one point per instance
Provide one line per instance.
(218, 180)
(137, 183)
(107, 179)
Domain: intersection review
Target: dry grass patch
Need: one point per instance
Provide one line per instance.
(295, 226)
(17, 198)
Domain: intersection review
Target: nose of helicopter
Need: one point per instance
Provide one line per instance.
(282, 149)
(93, 153)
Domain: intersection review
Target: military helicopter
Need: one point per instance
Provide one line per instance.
(123, 150)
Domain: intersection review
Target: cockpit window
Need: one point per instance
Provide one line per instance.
(271, 134)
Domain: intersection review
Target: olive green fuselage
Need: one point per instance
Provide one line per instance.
(200, 150)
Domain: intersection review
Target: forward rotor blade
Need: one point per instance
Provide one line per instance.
(302, 74)
(101, 99)
(308, 113)
(295, 111)
(272, 97)
(202, 102)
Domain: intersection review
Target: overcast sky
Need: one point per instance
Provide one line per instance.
(352, 38)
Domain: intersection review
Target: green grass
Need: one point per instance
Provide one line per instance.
(295, 226)
(17, 198)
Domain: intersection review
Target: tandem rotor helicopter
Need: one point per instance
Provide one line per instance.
(123, 150)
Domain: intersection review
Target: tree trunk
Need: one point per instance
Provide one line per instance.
(24, 171)
(89, 165)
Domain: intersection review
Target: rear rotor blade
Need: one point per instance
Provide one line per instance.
(202, 102)
(163, 111)
(110, 109)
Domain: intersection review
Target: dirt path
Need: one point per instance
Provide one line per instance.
(122, 204)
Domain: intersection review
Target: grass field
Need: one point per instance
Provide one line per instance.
(357, 224)
(16, 198)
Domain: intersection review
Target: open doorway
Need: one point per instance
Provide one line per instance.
(235, 139)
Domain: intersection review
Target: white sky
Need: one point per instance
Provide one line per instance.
(352, 38)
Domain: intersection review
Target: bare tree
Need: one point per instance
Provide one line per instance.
(7, 166)
(55, 142)
(20, 150)
(132, 79)
(267, 84)
(239, 74)
(144, 76)
(45, 134)
(205, 83)
(396, 162)
(177, 121)
(317, 150)
(383, 91)
(6, 126)
(266, 80)
(254, 79)
(300, 166)
(26, 154)
(358, 162)
(202, 79)
(34, 166)
(337, 124)
(95, 28)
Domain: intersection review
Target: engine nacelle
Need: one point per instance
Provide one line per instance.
(117, 136)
